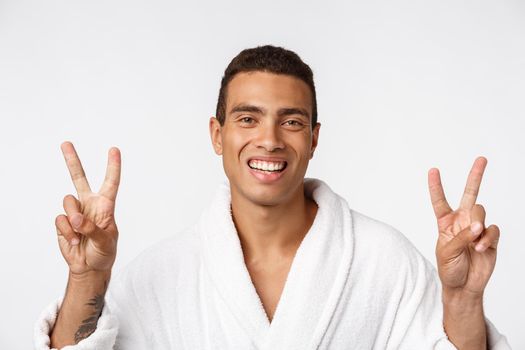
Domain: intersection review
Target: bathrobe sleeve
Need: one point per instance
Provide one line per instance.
(399, 292)
(117, 327)
(425, 306)
(102, 339)
(134, 315)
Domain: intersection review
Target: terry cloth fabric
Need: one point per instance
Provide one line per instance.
(355, 283)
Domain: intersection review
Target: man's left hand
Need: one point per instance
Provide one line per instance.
(466, 249)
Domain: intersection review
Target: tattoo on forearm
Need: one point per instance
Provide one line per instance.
(89, 325)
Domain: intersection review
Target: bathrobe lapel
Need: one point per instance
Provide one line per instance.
(314, 284)
(317, 277)
(224, 262)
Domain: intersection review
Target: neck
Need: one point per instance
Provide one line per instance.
(270, 231)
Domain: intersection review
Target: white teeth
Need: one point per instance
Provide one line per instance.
(267, 166)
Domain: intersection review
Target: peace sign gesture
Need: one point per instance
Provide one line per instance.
(87, 234)
(465, 250)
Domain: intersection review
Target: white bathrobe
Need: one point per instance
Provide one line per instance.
(355, 283)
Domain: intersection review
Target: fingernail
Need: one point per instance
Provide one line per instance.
(480, 247)
(76, 221)
(75, 241)
(475, 228)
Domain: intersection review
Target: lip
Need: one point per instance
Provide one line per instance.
(263, 177)
(266, 159)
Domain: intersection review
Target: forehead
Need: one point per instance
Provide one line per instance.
(268, 89)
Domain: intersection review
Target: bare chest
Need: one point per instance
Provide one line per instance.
(269, 281)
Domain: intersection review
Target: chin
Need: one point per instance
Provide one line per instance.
(268, 195)
(265, 200)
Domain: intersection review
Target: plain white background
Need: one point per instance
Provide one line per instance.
(402, 86)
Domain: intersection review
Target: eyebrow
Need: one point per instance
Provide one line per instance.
(247, 108)
(290, 111)
(282, 112)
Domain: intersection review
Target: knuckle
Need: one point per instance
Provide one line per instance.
(77, 175)
(479, 208)
(488, 242)
(438, 201)
(68, 199)
(471, 191)
(63, 233)
(59, 220)
(466, 236)
(88, 227)
(495, 228)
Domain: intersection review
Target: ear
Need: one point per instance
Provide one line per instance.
(215, 135)
(315, 139)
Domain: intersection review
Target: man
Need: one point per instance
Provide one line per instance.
(277, 261)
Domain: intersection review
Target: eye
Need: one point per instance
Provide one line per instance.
(246, 120)
(293, 123)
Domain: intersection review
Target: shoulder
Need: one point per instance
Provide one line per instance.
(183, 244)
(174, 256)
(379, 244)
(371, 231)
(139, 292)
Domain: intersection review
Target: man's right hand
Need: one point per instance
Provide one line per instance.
(87, 234)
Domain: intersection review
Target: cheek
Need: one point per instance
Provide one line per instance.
(303, 145)
(233, 145)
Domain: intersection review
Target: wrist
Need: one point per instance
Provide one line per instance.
(463, 318)
(81, 307)
(460, 298)
(91, 280)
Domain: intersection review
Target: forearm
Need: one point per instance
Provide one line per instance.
(81, 308)
(464, 320)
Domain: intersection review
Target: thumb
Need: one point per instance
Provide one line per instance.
(456, 246)
(86, 227)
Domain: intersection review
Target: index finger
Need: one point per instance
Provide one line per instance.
(75, 168)
(437, 195)
(112, 180)
(473, 183)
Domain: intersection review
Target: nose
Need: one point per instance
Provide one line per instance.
(270, 138)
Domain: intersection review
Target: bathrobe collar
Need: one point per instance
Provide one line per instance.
(317, 276)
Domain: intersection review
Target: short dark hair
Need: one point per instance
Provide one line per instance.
(270, 59)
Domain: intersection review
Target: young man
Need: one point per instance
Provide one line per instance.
(277, 261)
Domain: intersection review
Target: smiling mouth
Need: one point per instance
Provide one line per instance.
(267, 167)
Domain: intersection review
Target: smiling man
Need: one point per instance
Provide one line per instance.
(276, 261)
(266, 141)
